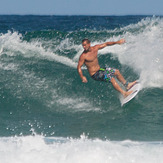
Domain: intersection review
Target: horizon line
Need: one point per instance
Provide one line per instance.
(80, 15)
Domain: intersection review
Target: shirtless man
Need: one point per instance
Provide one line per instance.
(89, 58)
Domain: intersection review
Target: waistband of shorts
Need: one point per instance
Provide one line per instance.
(101, 69)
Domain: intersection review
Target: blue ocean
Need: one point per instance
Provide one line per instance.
(48, 115)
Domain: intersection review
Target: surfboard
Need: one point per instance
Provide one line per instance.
(135, 89)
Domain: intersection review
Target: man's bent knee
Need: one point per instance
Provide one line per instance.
(117, 72)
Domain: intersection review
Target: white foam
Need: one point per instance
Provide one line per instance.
(38, 149)
(77, 104)
(142, 50)
(12, 44)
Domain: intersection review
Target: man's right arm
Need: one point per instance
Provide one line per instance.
(101, 46)
(80, 64)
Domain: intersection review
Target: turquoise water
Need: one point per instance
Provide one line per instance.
(44, 103)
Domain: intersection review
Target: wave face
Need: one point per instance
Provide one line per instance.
(40, 89)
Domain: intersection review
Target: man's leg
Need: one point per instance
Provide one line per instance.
(122, 80)
(119, 76)
(118, 88)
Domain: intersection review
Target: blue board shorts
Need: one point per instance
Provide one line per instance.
(104, 74)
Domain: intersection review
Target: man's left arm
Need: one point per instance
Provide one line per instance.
(101, 46)
(80, 63)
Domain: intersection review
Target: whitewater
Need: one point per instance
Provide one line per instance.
(60, 150)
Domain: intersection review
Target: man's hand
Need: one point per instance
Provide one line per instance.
(84, 79)
(121, 41)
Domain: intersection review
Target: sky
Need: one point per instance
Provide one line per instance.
(82, 7)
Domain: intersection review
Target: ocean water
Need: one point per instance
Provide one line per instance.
(48, 114)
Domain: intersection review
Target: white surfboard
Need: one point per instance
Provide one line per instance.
(135, 89)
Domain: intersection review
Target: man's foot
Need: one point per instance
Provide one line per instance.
(127, 93)
(131, 84)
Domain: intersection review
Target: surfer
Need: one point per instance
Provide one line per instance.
(89, 58)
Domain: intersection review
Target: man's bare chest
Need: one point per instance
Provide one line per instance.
(91, 57)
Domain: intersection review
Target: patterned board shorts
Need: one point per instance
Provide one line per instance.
(104, 74)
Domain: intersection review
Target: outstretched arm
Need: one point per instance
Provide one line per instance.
(80, 64)
(101, 46)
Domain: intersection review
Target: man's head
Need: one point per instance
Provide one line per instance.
(86, 44)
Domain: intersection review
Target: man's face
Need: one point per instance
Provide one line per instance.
(86, 45)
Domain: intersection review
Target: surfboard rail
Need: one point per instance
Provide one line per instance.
(135, 89)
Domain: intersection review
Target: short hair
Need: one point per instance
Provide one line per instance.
(88, 41)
